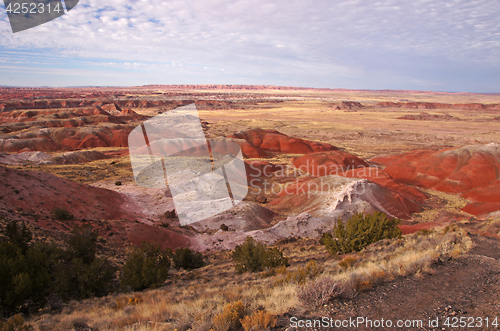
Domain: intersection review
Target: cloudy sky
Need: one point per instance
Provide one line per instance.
(449, 45)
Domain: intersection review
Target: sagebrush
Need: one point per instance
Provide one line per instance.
(254, 256)
(360, 231)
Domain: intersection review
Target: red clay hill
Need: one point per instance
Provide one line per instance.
(347, 165)
(33, 195)
(58, 125)
(258, 143)
(473, 171)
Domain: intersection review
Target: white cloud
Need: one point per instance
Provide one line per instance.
(334, 42)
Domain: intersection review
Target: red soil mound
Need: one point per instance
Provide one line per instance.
(51, 139)
(259, 142)
(39, 193)
(139, 232)
(348, 165)
(471, 170)
(383, 179)
(260, 169)
(326, 194)
(453, 170)
(486, 199)
(129, 112)
(75, 103)
(328, 163)
(111, 107)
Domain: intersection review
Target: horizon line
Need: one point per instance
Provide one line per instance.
(242, 86)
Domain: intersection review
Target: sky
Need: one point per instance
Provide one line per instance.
(451, 46)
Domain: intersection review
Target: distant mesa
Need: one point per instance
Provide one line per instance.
(429, 117)
(347, 105)
(436, 105)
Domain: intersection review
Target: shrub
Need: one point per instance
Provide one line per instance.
(259, 320)
(80, 280)
(25, 275)
(83, 243)
(224, 227)
(61, 214)
(125, 301)
(273, 257)
(30, 273)
(318, 293)
(230, 317)
(301, 276)
(253, 256)
(360, 231)
(348, 262)
(15, 323)
(363, 285)
(118, 183)
(18, 236)
(147, 266)
(83, 275)
(187, 259)
(326, 236)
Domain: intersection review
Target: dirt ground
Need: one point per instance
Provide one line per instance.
(466, 287)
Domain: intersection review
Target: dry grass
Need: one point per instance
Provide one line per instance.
(490, 226)
(89, 172)
(412, 255)
(259, 320)
(451, 203)
(193, 300)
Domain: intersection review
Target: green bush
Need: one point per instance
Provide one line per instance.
(80, 280)
(254, 256)
(82, 274)
(83, 243)
(147, 266)
(61, 214)
(32, 272)
(25, 276)
(19, 236)
(360, 231)
(187, 259)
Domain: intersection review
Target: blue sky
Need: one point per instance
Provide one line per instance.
(391, 44)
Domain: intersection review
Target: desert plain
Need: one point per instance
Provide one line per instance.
(312, 157)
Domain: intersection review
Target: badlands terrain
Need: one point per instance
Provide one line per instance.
(312, 156)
